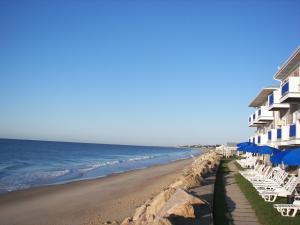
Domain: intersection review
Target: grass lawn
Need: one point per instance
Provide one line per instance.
(265, 212)
(220, 211)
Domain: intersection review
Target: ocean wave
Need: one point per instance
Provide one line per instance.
(111, 163)
(98, 165)
(29, 179)
(141, 158)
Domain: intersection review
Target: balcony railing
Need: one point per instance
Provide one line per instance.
(271, 99)
(293, 130)
(269, 135)
(285, 89)
(279, 133)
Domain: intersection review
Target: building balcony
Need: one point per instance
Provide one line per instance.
(274, 103)
(262, 139)
(290, 135)
(264, 115)
(252, 120)
(272, 136)
(290, 90)
(261, 116)
(254, 139)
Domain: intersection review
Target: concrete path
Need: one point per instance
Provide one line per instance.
(239, 207)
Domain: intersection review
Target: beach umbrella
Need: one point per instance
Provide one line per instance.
(276, 158)
(243, 144)
(267, 150)
(250, 148)
(292, 157)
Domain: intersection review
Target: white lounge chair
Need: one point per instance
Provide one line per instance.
(251, 172)
(276, 179)
(284, 191)
(289, 210)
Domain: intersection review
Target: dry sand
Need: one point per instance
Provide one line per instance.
(87, 202)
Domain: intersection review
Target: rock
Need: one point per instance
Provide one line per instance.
(178, 184)
(139, 212)
(180, 204)
(192, 181)
(185, 210)
(159, 201)
(126, 221)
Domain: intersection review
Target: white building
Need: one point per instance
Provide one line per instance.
(228, 149)
(277, 109)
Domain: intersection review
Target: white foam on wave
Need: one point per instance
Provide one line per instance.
(29, 179)
(110, 163)
(97, 165)
(141, 158)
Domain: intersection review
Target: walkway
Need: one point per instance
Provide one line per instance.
(239, 207)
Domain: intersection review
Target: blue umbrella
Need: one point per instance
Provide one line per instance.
(250, 148)
(243, 144)
(267, 150)
(277, 157)
(292, 157)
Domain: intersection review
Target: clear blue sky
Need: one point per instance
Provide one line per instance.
(139, 72)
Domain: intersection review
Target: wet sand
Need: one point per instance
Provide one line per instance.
(95, 201)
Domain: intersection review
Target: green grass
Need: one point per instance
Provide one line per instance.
(265, 212)
(238, 166)
(220, 211)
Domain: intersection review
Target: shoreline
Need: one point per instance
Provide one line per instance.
(91, 201)
(95, 178)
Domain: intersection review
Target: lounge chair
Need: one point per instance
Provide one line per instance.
(289, 210)
(283, 191)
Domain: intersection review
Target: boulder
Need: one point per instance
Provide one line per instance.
(159, 201)
(126, 221)
(177, 184)
(192, 181)
(185, 210)
(180, 204)
(139, 212)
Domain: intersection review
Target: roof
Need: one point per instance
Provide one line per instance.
(291, 64)
(262, 96)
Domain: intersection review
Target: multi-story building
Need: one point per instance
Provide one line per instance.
(277, 109)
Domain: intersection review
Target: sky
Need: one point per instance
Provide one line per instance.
(139, 72)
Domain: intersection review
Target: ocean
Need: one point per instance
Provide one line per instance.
(25, 163)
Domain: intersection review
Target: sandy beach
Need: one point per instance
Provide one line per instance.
(95, 201)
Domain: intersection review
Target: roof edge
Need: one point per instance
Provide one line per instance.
(262, 91)
(284, 65)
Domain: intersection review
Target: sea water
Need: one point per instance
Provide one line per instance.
(25, 163)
